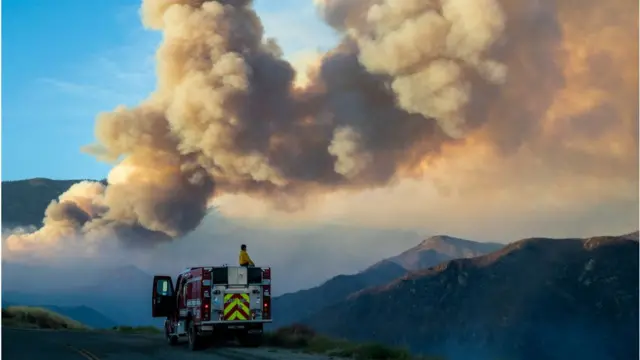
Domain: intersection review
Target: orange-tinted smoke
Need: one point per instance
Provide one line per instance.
(411, 83)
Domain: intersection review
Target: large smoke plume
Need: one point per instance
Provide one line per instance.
(410, 82)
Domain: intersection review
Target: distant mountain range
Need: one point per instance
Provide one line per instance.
(120, 294)
(440, 248)
(534, 299)
(428, 253)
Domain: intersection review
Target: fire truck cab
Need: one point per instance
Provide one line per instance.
(214, 303)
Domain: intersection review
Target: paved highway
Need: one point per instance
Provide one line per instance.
(22, 344)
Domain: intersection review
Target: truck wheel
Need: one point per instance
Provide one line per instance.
(194, 340)
(250, 340)
(171, 339)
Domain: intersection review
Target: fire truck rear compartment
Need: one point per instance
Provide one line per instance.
(236, 303)
(238, 296)
(216, 303)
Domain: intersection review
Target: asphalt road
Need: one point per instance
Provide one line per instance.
(19, 344)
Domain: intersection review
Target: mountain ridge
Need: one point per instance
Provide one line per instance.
(505, 303)
(439, 248)
(423, 255)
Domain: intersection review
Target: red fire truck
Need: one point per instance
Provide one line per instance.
(214, 303)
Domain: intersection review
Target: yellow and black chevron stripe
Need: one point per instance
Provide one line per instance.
(236, 307)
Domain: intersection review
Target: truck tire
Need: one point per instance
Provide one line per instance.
(171, 339)
(250, 340)
(195, 341)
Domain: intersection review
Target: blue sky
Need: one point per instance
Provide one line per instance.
(65, 61)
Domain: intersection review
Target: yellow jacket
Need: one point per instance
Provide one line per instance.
(244, 258)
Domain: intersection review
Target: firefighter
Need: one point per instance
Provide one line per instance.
(245, 260)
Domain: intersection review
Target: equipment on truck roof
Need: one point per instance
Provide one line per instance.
(214, 303)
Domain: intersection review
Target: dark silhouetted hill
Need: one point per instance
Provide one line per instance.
(37, 318)
(82, 314)
(534, 299)
(288, 306)
(24, 201)
(632, 236)
(430, 252)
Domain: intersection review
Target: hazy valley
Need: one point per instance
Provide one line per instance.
(445, 295)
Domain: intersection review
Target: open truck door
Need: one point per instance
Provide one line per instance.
(163, 298)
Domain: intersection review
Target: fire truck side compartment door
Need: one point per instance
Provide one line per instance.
(163, 298)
